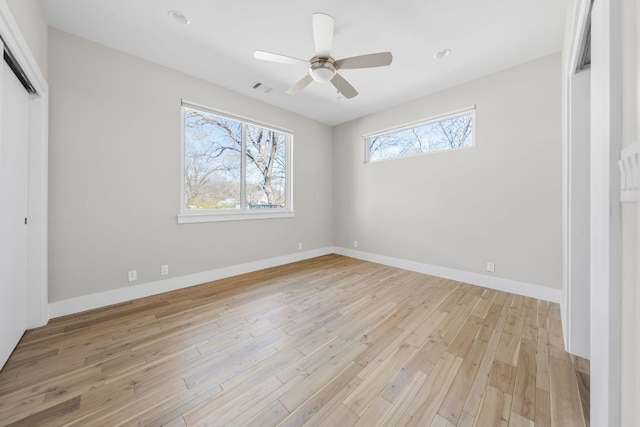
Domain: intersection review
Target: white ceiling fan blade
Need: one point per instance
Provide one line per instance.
(366, 61)
(343, 86)
(323, 34)
(302, 83)
(276, 57)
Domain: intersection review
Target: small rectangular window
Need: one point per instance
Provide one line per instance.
(233, 168)
(448, 132)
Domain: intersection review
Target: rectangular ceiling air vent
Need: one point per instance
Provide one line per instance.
(261, 87)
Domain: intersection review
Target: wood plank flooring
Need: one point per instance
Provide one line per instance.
(330, 341)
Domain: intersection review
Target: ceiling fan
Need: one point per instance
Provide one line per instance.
(322, 67)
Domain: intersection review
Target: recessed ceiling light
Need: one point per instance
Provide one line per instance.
(442, 54)
(178, 17)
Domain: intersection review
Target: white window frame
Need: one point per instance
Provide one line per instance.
(462, 112)
(187, 216)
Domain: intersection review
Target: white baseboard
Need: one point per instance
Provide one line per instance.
(492, 282)
(102, 299)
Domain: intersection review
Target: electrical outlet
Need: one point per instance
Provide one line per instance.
(355, 243)
(164, 269)
(299, 245)
(491, 267)
(133, 275)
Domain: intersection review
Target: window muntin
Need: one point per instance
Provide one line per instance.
(233, 168)
(448, 132)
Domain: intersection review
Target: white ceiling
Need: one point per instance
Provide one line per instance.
(485, 36)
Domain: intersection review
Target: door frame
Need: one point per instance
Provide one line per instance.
(37, 241)
(576, 213)
(606, 238)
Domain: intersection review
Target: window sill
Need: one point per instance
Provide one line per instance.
(190, 218)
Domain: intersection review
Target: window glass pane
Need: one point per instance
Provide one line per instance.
(449, 133)
(212, 161)
(233, 168)
(266, 168)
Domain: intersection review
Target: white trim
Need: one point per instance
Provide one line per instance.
(426, 153)
(188, 216)
(426, 121)
(37, 244)
(575, 314)
(606, 240)
(102, 299)
(578, 34)
(458, 113)
(116, 296)
(233, 116)
(492, 282)
(576, 229)
(233, 215)
(182, 171)
(636, 327)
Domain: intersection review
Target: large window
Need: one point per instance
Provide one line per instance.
(233, 168)
(448, 132)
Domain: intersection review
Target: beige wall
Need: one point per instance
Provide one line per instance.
(114, 175)
(499, 201)
(114, 178)
(33, 26)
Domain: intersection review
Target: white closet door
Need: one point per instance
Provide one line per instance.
(14, 114)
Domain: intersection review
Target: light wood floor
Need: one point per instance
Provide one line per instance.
(330, 341)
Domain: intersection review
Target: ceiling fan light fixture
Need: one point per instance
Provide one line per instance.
(322, 67)
(322, 70)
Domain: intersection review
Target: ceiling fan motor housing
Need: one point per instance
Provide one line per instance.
(322, 70)
(322, 67)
